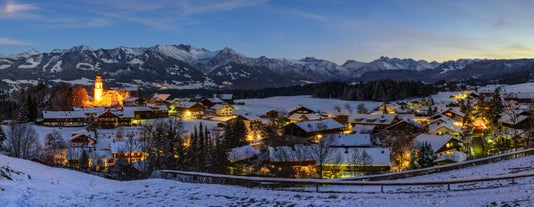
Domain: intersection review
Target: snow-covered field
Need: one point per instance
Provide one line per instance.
(40, 185)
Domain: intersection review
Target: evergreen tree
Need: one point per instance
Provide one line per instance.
(496, 107)
(235, 134)
(361, 109)
(24, 113)
(3, 137)
(426, 155)
(84, 160)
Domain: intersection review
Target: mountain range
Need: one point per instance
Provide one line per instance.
(187, 67)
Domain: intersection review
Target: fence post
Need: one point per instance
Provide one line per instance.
(448, 186)
(382, 188)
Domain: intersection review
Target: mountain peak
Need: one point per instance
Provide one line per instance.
(79, 48)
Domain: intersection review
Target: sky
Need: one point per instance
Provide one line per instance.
(336, 30)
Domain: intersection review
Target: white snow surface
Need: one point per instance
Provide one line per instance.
(40, 185)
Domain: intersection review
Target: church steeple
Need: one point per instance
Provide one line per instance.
(99, 89)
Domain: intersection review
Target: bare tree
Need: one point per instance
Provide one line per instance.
(53, 144)
(22, 141)
(322, 153)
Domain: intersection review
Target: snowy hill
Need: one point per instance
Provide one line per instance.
(40, 185)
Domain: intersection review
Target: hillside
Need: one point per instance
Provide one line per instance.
(40, 185)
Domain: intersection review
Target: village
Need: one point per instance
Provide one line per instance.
(304, 140)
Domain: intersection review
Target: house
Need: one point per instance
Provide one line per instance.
(158, 98)
(351, 161)
(222, 110)
(272, 113)
(339, 114)
(209, 102)
(453, 114)
(130, 101)
(364, 129)
(63, 118)
(315, 128)
(299, 109)
(189, 110)
(381, 121)
(226, 98)
(403, 125)
(445, 147)
(82, 140)
(298, 160)
(350, 140)
(132, 151)
(107, 120)
(444, 126)
(521, 97)
(297, 117)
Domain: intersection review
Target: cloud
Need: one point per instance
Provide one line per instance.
(8, 41)
(12, 7)
(194, 7)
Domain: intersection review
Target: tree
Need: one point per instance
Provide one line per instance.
(323, 153)
(426, 155)
(235, 134)
(84, 160)
(80, 97)
(361, 109)
(22, 141)
(53, 144)
(496, 107)
(3, 137)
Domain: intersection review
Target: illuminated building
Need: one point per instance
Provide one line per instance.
(107, 98)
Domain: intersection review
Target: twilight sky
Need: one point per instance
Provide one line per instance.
(335, 30)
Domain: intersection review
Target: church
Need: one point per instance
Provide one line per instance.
(107, 98)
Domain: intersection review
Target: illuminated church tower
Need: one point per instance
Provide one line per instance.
(99, 89)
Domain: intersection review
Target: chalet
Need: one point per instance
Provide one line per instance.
(297, 117)
(521, 97)
(82, 140)
(516, 120)
(455, 115)
(380, 121)
(158, 98)
(133, 152)
(242, 157)
(346, 162)
(364, 129)
(189, 109)
(209, 102)
(63, 118)
(222, 110)
(403, 125)
(314, 128)
(226, 98)
(299, 109)
(340, 115)
(272, 113)
(444, 126)
(108, 120)
(298, 160)
(350, 140)
(447, 148)
(130, 101)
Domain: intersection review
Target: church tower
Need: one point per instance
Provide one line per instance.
(99, 89)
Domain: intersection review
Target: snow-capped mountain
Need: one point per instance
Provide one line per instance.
(184, 66)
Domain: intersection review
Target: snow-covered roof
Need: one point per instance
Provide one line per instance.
(348, 156)
(454, 156)
(298, 106)
(91, 110)
(63, 114)
(512, 119)
(130, 99)
(214, 100)
(335, 112)
(160, 96)
(310, 116)
(246, 115)
(363, 129)
(220, 106)
(318, 125)
(436, 141)
(186, 104)
(242, 153)
(351, 140)
(79, 134)
(443, 122)
(373, 119)
(226, 96)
